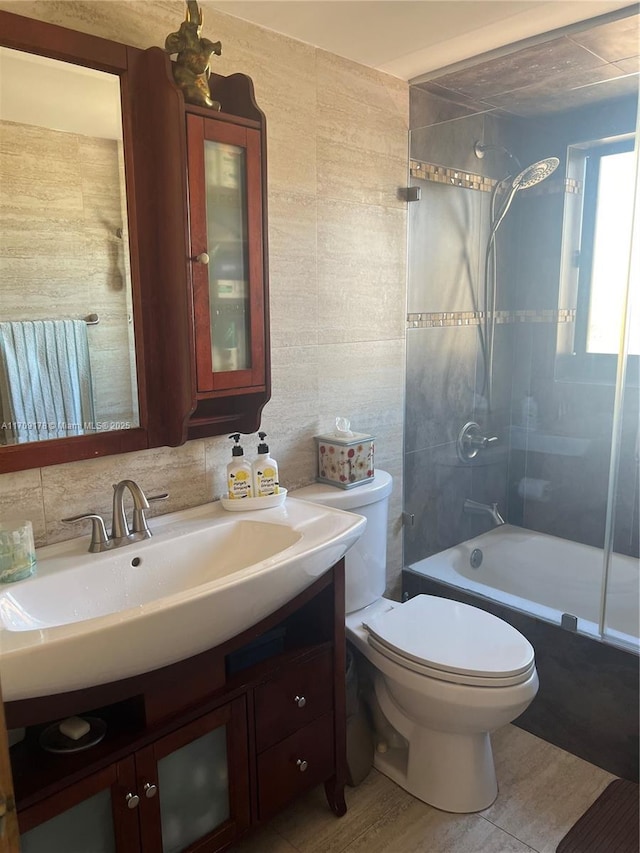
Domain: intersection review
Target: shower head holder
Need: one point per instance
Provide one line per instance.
(481, 148)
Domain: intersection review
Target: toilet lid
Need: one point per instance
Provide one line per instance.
(453, 637)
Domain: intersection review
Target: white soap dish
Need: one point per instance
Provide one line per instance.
(247, 504)
(52, 739)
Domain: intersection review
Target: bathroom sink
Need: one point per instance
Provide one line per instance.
(132, 577)
(204, 576)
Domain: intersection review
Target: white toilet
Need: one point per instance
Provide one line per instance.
(446, 674)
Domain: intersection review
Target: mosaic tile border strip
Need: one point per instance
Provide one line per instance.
(452, 177)
(467, 180)
(427, 320)
(556, 186)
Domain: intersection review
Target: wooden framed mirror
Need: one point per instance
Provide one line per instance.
(72, 366)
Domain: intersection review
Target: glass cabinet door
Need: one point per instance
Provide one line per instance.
(196, 795)
(99, 814)
(194, 790)
(225, 174)
(225, 192)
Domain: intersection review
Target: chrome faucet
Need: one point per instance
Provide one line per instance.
(120, 532)
(119, 527)
(477, 508)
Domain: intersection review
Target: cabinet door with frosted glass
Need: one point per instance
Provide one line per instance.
(98, 814)
(227, 255)
(195, 784)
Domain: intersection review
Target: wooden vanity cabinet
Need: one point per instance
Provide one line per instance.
(95, 808)
(188, 790)
(193, 783)
(199, 752)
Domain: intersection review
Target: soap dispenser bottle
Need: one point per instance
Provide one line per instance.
(265, 471)
(239, 477)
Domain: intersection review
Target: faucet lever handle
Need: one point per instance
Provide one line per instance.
(492, 440)
(139, 521)
(99, 538)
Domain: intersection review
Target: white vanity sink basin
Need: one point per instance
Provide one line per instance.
(99, 585)
(204, 576)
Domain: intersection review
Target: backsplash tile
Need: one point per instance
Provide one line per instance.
(79, 487)
(21, 497)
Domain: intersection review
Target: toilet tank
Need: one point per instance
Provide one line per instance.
(366, 561)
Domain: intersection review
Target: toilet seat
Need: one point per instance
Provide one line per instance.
(451, 641)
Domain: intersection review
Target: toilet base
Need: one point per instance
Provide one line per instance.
(451, 771)
(450, 782)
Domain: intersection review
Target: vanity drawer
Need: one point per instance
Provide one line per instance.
(298, 694)
(295, 764)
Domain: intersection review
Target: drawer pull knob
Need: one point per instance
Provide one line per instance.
(300, 701)
(150, 790)
(132, 801)
(302, 765)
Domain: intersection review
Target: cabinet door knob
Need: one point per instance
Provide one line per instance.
(202, 258)
(132, 801)
(300, 701)
(150, 790)
(302, 765)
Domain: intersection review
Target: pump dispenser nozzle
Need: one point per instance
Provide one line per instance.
(237, 449)
(262, 447)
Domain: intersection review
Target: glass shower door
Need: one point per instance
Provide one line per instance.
(620, 603)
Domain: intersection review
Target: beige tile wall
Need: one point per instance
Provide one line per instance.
(337, 148)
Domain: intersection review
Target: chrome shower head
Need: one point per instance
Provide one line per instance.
(535, 173)
(529, 177)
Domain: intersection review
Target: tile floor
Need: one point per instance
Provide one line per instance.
(543, 791)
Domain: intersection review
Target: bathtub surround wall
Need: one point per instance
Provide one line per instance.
(337, 140)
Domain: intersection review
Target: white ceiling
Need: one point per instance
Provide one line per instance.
(410, 38)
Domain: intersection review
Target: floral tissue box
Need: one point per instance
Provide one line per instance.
(345, 462)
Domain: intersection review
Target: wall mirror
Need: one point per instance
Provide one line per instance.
(71, 373)
(66, 254)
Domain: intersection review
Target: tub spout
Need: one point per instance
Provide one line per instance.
(477, 508)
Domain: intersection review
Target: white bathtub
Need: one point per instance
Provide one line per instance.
(545, 576)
